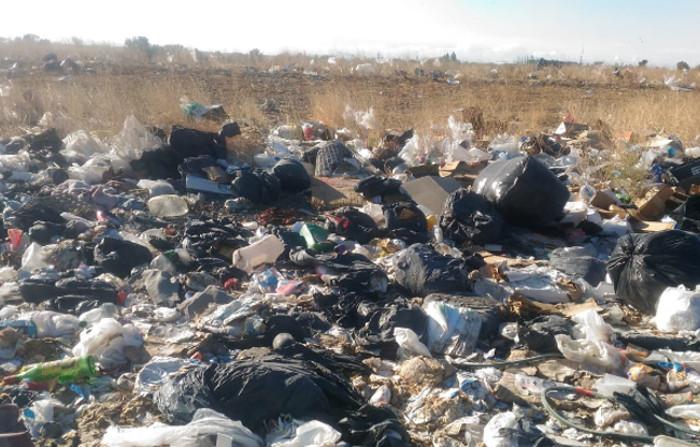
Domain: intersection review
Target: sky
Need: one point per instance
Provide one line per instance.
(627, 31)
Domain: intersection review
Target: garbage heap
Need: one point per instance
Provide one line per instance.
(158, 288)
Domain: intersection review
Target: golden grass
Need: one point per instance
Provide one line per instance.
(514, 98)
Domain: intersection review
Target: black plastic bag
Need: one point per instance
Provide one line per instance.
(643, 265)
(118, 256)
(377, 186)
(42, 232)
(292, 175)
(577, 262)
(259, 391)
(688, 215)
(422, 271)
(259, 187)
(538, 334)
(405, 221)
(36, 290)
(193, 143)
(469, 217)
(524, 191)
(352, 224)
(159, 163)
(38, 209)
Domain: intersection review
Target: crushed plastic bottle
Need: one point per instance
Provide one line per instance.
(168, 205)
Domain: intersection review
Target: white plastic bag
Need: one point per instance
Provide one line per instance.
(596, 354)
(409, 342)
(592, 327)
(54, 324)
(133, 140)
(309, 434)
(92, 171)
(538, 283)
(381, 397)
(204, 422)
(34, 257)
(678, 309)
(451, 330)
(81, 145)
(107, 341)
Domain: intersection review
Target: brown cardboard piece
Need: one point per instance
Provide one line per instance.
(653, 205)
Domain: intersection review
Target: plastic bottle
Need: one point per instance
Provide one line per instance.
(64, 371)
(264, 251)
(168, 205)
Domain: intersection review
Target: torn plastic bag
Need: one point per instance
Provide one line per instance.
(506, 429)
(524, 191)
(451, 330)
(642, 266)
(374, 186)
(206, 238)
(361, 277)
(578, 263)
(421, 270)
(81, 145)
(593, 354)
(405, 221)
(538, 334)
(409, 342)
(259, 187)
(307, 434)
(287, 346)
(37, 289)
(203, 430)
(538, 283)
(292, 175)
(134, 140)
(374, 426)
(108, 341)
(203, 166)
(352, 224)
(488, 309)
(33, 211)
(118, 256)
(688, 215)
(469, 217)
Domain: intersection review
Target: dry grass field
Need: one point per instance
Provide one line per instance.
(264, 91)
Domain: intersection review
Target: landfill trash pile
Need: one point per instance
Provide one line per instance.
(157, 289)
